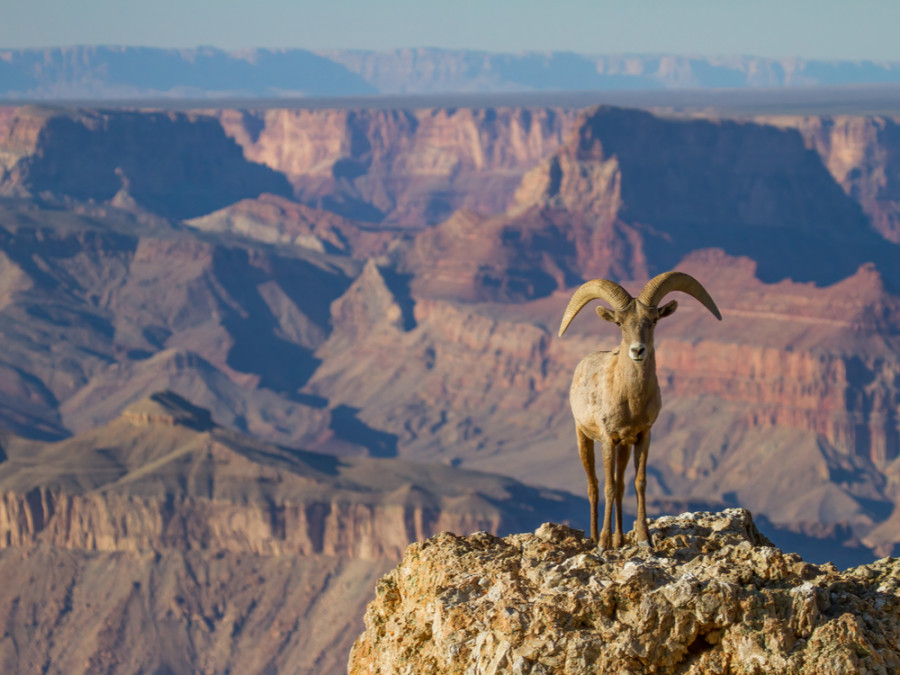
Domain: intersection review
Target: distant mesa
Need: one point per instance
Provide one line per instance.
(147, 72)
(85, 72)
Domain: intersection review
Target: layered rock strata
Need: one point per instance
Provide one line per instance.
(109, 522)
(401, 167)
(712, 596)
(163, 475)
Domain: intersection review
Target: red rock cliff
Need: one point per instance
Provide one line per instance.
(406, 167)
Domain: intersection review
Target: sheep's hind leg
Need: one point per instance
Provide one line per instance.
(641, 450)
(623, 452)
(586, 451)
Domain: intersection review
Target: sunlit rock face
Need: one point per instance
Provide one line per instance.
(713, 596)
(406, 168)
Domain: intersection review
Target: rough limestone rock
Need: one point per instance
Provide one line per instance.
(714, 596)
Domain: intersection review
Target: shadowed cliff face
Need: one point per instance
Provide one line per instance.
(863, 155)
(174, 164)
(713, 596)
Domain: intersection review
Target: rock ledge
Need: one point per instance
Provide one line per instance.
(714, 596)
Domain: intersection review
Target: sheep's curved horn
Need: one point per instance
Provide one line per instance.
(660, 286)
(598, 289)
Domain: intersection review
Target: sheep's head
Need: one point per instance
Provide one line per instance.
(637, 321)
(637, 317)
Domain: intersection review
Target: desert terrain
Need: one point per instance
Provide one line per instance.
(282, 343)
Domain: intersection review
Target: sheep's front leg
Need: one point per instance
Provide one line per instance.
(608, 450)
(623, 452)
(641, 450)
(586, 452)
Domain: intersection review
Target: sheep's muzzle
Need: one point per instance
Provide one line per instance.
(637, 351)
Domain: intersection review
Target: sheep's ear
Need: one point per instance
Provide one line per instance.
(606, 314)
(668, 309)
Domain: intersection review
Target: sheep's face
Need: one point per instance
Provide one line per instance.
(637, 321)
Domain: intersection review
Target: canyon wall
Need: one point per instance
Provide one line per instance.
(441, 347)
(401, 167)
(179, 165)
(851, 400)
(110, 522)
(396, 167)
(863, 155)
(166, 610)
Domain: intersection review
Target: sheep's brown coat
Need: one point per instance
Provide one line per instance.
(615, 395)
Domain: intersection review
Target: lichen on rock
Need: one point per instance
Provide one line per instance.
(712, 596)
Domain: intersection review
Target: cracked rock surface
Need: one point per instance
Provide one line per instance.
(713, 596)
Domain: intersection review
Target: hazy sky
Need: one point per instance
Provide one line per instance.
(834, 29)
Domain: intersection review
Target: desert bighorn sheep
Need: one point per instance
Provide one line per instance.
(615, 395)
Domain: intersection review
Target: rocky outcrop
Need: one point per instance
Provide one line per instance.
(712, 596)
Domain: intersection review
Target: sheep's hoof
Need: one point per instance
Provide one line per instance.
(605, 541)
(645, 541)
